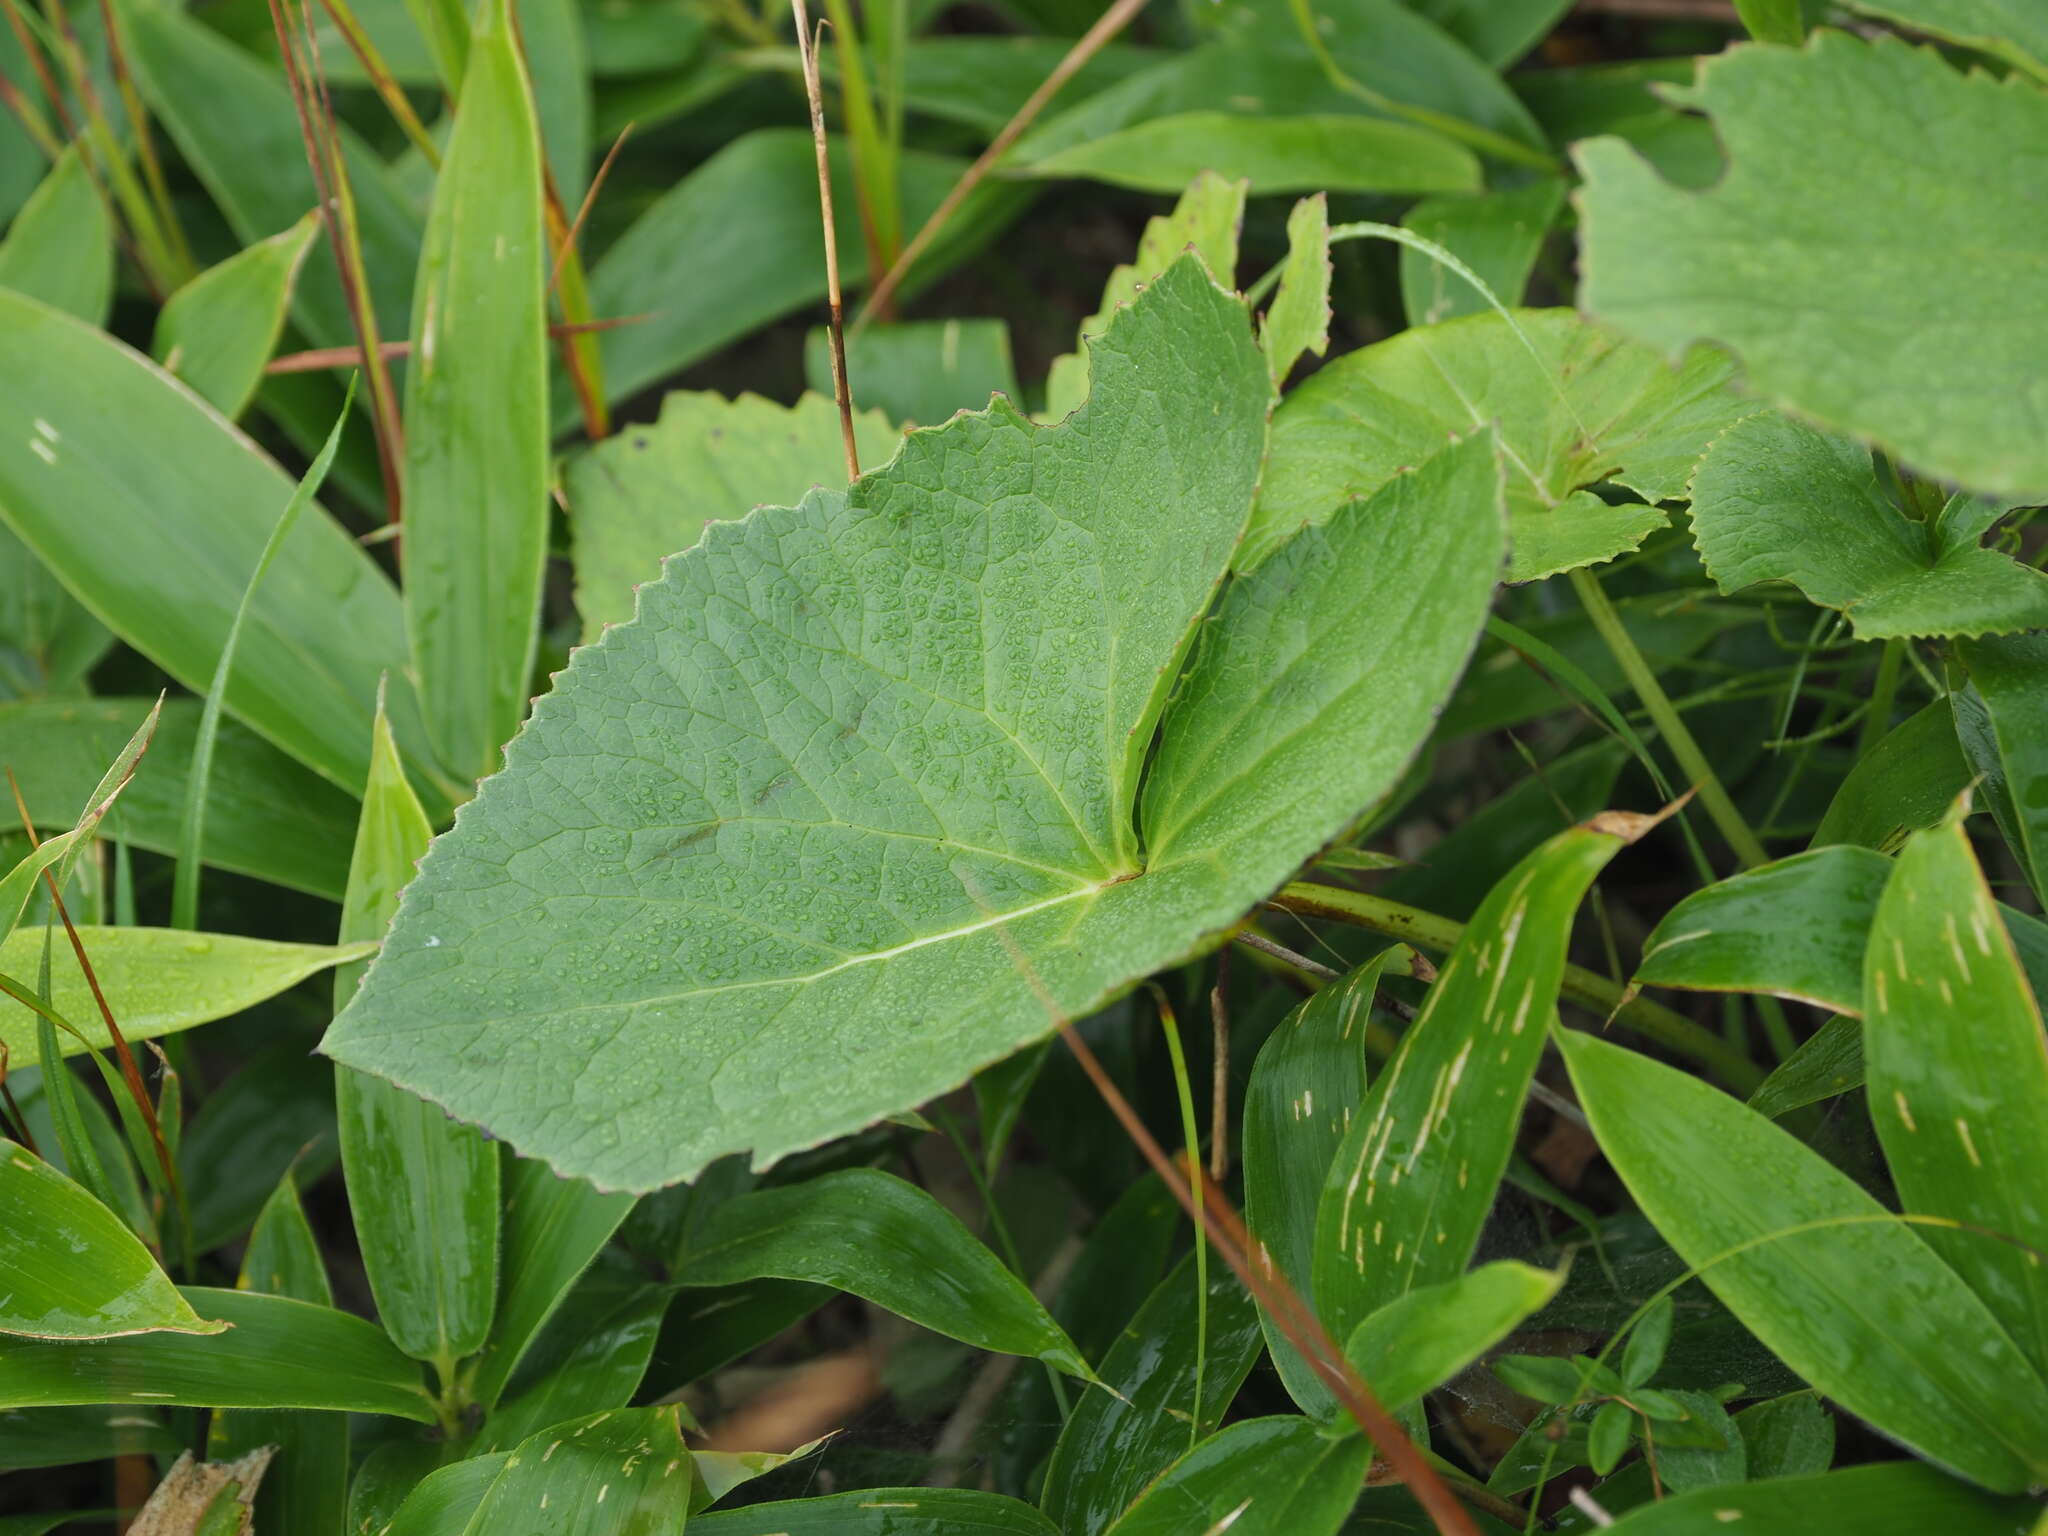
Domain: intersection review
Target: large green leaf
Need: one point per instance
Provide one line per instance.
(60, 247)
(1863, 342)
(1574, 408)
(732, 822)
(1896, 1498)
(1775, 500)
(70, 1268)
(1857, 1304)
(1261, 1477)
(158, 981)
(881, 1512)
(1170, 1385)
(1307, 1085)
(646, 493)
(1343, 153)
(1958, 1076)
(422, 1188)
(613, 1474)
(1906, 782)
(182, 505)
(218, 331)
(275, 1353)
(476, 415)
(872, 1234)
(2016, 30)
(306, 1488)
(1406, 1195)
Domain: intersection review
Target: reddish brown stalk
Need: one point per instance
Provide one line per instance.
(41, 66)
(17, 1122)
(807, 50)
(131, 1073)
(381, 79)
(1090, 43)
(347, 357)
(145, 143)
(328, 179)
(604, 169)
(1226, 1233)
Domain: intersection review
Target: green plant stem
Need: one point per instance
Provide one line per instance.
(1190, 1134)
(1428, 930)
(1691, 760)
(1884, 689)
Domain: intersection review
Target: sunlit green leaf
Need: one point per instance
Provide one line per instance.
(70, 1268)
(1870, 344)
(612, 1474)
(60, 247)
(218, 331)
(1958, 1076)
(1858, 1304)
(1775, 500)
(1421, 1339)
(1578, 410)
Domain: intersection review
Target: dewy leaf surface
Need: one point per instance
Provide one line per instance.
(1887, 339)
(1573, 407)
(1775, 500)
(847, 812)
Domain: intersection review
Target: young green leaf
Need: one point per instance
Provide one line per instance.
(1608, 1439)
(1643, 1356)
(182, 505)
(2002, 720)
(267, 816)
(476, 415)
(60, 247)
(1408, 1191)
(867, 1232)
(1958, 1077)
(1116, 1442)
(1789, 1436)
(1776, 500)
(1259, 1477)
(1299, 320)
(1895, 1498)
(881, 1512)
(1207, 220)
(647, 492)
(1707, 1452)
(589, 1356)
(1907, 782)
(918, 372)
(1420, 1340)
(1307, 1084)
(746, 758)
(423, 1189)
(306, 1487)
(275, 1353)
(1857, 1304)
(1340, 153)
(1574, 408)
(216, 333)
(553, 1228)
(158, 981)
(71, 1269)
(1497, 233)
(1872, 354)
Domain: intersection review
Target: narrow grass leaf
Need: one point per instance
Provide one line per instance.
(476, 415)
(590, 1355)
(1958, 1077)
(218, 331)
(1905, 783)
(423, 1189)
(870, 1233)
(1856, 1303)
(1307, 1085)
(443, 1501)
(275, 1353)
(71, 1269)
(1498, 233)
(612, 1474)
(1410, 1187)
(60, 247)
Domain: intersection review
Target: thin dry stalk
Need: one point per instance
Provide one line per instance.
(30, 119)
(808, 51)
(17, 1122)
(604, 169)
(1090, 43)
(145, 142)
(352, 357)
(41, 66)
(381, 79)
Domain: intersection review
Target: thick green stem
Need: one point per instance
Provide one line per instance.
(1664, 715)
(1428, 930)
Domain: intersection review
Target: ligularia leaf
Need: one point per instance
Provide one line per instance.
(851, 809)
